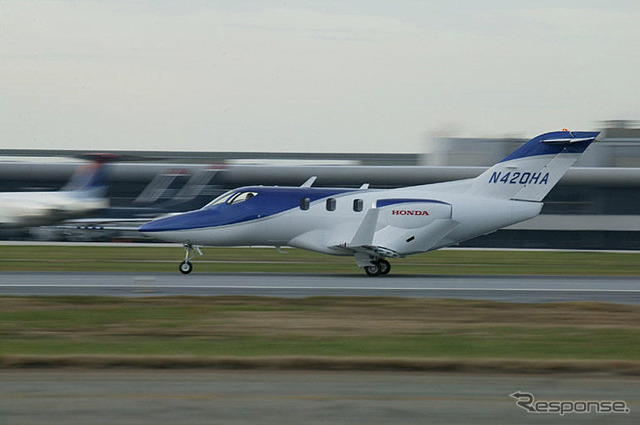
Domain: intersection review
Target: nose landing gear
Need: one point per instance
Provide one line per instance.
(185, 266)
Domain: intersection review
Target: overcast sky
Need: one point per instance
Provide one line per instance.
(317, 76)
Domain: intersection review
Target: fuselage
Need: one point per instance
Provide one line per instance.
(27, 209)
(324, 219)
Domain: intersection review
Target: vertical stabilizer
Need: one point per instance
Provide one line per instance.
(532, 170)
(90, 179)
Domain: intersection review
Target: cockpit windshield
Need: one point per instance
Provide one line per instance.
(221, 199)
(232, 198)
(241, 197)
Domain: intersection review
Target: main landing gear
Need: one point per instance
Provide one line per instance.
(185, 266)
(378, 268)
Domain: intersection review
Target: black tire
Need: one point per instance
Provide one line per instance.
(186, 267)
(385, 267)
(372, 270)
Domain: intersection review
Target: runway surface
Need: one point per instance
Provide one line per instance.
(498, 288)
(266, 397)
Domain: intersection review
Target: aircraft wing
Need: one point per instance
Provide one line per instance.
(398, 227)
(106, 224)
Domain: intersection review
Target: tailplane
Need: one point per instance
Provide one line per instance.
(532, 170)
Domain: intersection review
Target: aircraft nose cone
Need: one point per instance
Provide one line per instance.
(152, 226)
(164, 224)
(181, 221)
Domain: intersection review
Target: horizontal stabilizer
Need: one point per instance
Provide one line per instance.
(567, 140)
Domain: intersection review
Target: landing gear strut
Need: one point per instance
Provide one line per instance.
(378, 268)
(185, 266)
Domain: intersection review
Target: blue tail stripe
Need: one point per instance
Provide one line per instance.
(536, 146)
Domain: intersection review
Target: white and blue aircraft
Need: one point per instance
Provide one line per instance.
(372, 225)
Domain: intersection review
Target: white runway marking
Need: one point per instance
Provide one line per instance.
(618, 289)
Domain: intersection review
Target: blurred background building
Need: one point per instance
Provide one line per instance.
(595, 206)
(619, 146)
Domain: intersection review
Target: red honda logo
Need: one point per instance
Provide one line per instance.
(409, 212)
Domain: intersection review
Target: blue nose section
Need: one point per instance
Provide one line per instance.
(183, 221)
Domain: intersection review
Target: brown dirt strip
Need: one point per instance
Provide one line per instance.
(325, 363)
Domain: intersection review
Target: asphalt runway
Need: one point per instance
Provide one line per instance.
(480, 287)
(271, 397)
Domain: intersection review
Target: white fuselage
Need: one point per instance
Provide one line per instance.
(321, 230)
(26, 209)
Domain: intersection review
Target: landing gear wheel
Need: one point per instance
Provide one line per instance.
(372, 270)
(186, 267)
(385, 267)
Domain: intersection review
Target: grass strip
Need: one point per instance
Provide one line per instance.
(164, 259)
(319, 327)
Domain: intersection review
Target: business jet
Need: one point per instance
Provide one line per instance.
(373, 225)
(83, 194)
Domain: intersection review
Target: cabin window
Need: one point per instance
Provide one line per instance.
(331, 204)
(358, 205)
(241, 197)
(304, 203)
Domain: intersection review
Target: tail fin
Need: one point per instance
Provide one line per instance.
(89, 179)
(532, 170)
